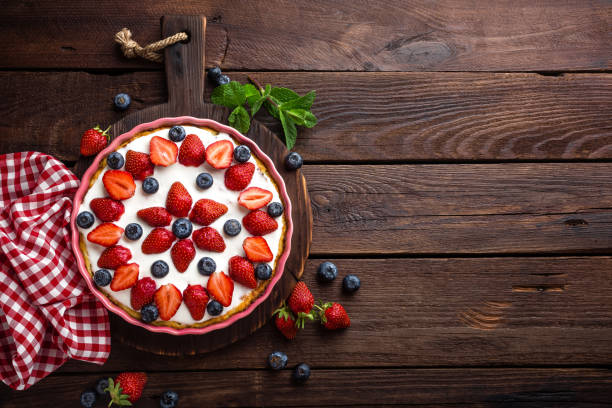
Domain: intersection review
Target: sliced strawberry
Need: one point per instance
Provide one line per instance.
(178, 201)
(239, 176)
(159, 240)
(107, 210)
(155, 216)
(182, 254)
(221, 287)
(192, 151)
(206, 211)
(254, 198)
(219, 154)
(209, 239)
(167, 299)
(242, 271)
(138, 164)
(142, 293)
(106, 234)
(163, 151)
(257, 249)
(196, 299)
(259, 223)
(119, 184)
(114, 257)
(125, 277)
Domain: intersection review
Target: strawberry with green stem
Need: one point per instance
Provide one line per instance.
(126, 388)
(332, 315)
(94, 140)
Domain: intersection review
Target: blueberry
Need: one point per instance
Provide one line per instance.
(204, 180)
(277, 360)
(177, 133)
(206, 266)
(122, 101)
(327, 272)
(182, 228)
(242, 153)
(213, 74)
(133, 231)
(159, 269)
(275, 209)
(223, 80)
(85, 219)
(232, 227)
(88, 398)
(168, 399)
(150, 185)
(301, 372)
(293, 161)
(149, 313)
(263, 271)
(101, 386)
(115, 160)
(351, 283)
(102, 277)
(214, 308)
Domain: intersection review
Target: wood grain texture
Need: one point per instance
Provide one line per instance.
(362, 116)
(326, 387)
(432, 313)
(448, 35)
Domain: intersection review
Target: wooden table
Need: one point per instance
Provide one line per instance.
(462, 167)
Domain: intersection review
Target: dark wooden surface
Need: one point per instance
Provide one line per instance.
(475, 205)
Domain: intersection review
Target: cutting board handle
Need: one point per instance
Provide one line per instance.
(185, 63)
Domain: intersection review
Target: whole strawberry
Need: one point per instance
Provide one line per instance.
(142, 293)
(127, 386)
(94, 140)
(285, 322)
(333, 316)
(301, 299)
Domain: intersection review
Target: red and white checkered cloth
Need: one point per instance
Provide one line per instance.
(47, 314)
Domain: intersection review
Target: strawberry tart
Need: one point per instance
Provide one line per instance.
(183, 226)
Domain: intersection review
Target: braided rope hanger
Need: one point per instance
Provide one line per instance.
(132, 49)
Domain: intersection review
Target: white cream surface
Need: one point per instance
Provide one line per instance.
(187, 176)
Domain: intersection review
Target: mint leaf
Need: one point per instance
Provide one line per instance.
(229, 95)
(251, 93)
(289, 129)
(302, 117)
(283, 94)
(239, 118)
(303, 102)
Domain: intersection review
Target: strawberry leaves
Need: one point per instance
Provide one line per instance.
(116, 393)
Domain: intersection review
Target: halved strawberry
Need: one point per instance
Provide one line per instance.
(155, 216)
(219, 154)
(192, 151)
(142, 293)
(221, 287)
(239, 176)
(242, 271)
(254, 198)
(257, 249)
(138, 164)
(107, 210)
(106, 234)
(206, 211)
(163, 152)
(259, 223)
(167, 299)
(178, 201)
(119, 184)
(209, 239)
(196, 299)
(125, 277)
(159, 240)
(114, 257)
(182, 254)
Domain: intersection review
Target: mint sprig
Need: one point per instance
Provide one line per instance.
(282, 103)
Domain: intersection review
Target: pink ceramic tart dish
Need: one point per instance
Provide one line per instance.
(245, 298)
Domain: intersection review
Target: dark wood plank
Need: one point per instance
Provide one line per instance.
(434, 312)
(449, 387)
(362, 116)
(450, 35)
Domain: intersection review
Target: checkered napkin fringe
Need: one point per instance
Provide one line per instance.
(47, 315)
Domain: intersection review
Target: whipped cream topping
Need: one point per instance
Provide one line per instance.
(187, 176)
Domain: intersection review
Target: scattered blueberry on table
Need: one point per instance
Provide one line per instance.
(263, 271)
(242, 153)
(275, 209)
(204, 180)
(213, 74)
(168, 399)
(102, 277)
(101, 386)
(206, 266)
(223, 79)
(177, 133)
(115, 160)
(122, 101)
(133, 231)
(301, 373)
(293, 161)
(85, 219)
(88, 398)
(214, 308)
(150, 185)
(232, 227)
(277, 360)
(149, 313)
(182, 228)
(159, 269)
(351, 283)
(327, 272)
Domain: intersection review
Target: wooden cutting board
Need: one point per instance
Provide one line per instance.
(185, 77)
